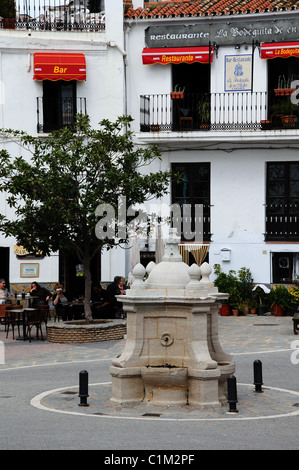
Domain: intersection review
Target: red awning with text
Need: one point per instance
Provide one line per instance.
(55, 66)
(285, 50)
(177, 55)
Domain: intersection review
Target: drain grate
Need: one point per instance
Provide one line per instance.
(296, 404)
(69, 393)
(264, 324)
(151, 415)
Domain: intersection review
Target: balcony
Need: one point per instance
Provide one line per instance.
(242, 111)
(282, 222)
(53, 114)
(60, 15)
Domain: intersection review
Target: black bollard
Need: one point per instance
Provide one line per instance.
(232, 394)
(83, 388)
(258, 376)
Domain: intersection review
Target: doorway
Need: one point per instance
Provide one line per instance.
(193, 110)
(4, 264)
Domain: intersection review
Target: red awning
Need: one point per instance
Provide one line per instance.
(55, 66)
(272, 50)
(177, 55)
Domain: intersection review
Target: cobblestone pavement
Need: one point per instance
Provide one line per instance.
(249, 335)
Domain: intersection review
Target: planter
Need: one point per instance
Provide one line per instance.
(235, 312)
(9, 23)
(225, 310)
(289, 120)
(205, 127)
(260, 310)
(177, 95)
(278, 311)
(284, 91)
(253, 311)
(155, 128)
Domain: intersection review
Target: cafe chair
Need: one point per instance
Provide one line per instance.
(3, 314)
(13, 318)
(33, 318)
(44, 311)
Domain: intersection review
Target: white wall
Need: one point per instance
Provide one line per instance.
(238, 175)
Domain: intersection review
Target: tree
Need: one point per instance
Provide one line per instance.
(56, 190)
(8, 9)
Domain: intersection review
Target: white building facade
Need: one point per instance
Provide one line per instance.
(228, 135)
(52, 67)
(232, 136)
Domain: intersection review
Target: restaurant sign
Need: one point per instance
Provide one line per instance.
(222, 33)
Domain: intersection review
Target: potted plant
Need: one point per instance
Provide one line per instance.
(204, 111)
(235, 300)
(294, 292)
(178, 93)
(225, 283)
(260, 294)
(252, 306)
(280, 300)
(284, 110)
(8, 13)
(284, 86)
(245, 285)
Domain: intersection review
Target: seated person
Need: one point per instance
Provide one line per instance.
(41, 294)
(61, 302)
(3, 291)
(100, 302)
(115, 288)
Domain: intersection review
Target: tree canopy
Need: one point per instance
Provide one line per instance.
(56, 188)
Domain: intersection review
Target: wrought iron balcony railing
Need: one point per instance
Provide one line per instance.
(282, 222)
(56, 15)
(217, 111)
(53, 114)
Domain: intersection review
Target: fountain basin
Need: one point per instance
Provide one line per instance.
(165, 385)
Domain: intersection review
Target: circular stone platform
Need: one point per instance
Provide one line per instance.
(272, 403)
(79, 331)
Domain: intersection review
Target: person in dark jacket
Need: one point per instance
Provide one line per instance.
(115, 288)
(41, 294)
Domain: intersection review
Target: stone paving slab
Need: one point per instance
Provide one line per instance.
(238, 335)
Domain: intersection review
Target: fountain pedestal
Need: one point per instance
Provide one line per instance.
(172, 354)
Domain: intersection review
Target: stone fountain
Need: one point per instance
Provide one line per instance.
(172, 354)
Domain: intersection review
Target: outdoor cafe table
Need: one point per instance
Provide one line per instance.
(17, 300)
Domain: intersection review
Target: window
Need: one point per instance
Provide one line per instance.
(193, 189)
(282, 201)
(285, 267)
(59, 104)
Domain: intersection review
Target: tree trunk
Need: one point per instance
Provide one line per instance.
(87, 293)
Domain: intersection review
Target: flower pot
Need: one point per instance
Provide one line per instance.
(253, 311)
(277, 310)
(260, 310)
(225, 310)
(235, 312)
(284, 91)
(177, 95)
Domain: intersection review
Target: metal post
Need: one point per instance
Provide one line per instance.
(257, 376)
(232, 394)
(83, 388)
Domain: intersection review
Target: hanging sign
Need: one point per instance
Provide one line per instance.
(238, 72)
